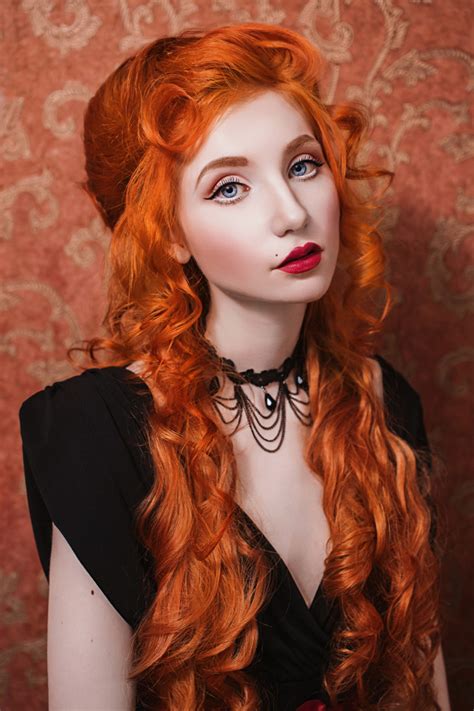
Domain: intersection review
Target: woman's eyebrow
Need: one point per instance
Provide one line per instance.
(227, 161)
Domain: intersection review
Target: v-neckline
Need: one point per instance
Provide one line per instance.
(319, 591)
(282, 563)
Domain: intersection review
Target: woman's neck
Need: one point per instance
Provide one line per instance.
(254, 341)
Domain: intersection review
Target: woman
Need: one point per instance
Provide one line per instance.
(232, 504)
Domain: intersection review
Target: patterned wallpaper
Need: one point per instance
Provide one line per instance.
(410, 62)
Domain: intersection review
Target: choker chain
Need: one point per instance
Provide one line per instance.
(261, 423)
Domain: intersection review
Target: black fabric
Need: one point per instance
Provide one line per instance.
(87, 468)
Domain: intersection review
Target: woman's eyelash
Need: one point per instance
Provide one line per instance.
(308, 159)
(232, 180)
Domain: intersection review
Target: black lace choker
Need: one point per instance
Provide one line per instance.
(275, 415)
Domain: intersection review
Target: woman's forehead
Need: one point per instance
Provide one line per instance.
(267, 121)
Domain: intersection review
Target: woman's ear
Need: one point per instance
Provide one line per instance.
(180, 252)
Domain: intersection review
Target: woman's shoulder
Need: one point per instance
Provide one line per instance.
(396, 385)
(66, 395)
(80, 390)
(87, 433)
(92, 400)
(402, 403)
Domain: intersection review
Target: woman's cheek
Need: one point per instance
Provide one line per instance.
(222, 240)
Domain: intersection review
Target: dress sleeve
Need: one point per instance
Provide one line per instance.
(405, 417)
(423, 448)
(80, 474)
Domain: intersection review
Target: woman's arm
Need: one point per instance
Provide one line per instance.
(89, 643)
(440, 681)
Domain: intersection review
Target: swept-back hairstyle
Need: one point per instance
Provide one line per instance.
(192, 647)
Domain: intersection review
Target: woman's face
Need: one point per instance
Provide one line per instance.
(242, 218)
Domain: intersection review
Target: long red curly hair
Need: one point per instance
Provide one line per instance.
(192, 647)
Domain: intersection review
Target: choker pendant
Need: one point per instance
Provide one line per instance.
(270, 402)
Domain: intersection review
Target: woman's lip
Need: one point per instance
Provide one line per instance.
(297, 252)
(302, 265)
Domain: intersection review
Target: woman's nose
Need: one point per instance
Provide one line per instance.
(289, 214)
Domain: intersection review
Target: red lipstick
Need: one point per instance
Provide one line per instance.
(301, 259)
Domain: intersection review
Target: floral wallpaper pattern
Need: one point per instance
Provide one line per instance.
(411, 62)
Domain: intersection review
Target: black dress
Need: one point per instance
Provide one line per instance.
(87, 468)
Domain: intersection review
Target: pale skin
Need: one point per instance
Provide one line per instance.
(255, 318)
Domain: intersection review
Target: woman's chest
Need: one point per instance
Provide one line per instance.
(283, 497)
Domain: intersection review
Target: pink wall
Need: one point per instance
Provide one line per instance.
(409, 61)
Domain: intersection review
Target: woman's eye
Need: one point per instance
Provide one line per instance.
(225, 188)
(307, 159)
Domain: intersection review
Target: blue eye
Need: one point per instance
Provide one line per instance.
(229, 182)
(224, 189)
(318, 163)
